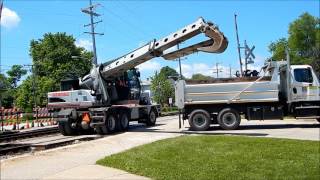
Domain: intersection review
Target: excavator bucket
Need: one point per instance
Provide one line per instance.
(216, 44)
(220, 42)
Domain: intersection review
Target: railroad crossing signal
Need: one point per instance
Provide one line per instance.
(249, 54)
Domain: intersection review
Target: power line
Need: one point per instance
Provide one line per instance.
(128, 23)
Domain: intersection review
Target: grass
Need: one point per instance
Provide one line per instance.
(221, 157)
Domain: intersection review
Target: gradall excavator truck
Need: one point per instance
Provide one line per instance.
(108, 97)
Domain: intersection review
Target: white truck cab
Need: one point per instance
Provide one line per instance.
(305, 84)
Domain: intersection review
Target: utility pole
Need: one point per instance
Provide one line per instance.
(217, 70)
(1, 6)
(179, 59)
(180, 77)
(90, 10)
(238, 43)
(32, 70)
(230, 75)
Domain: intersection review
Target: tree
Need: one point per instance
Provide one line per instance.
(15, 74)
(168, 71)
(52, 57)
(53, 60)
(162, 87)
(8, 85)
(200, 77)
(278, 49)
(6, 98)
(303, 42)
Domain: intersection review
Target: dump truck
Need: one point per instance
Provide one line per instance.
(281, 90)
(109, 96)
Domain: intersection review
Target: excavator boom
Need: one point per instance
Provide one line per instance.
(217, 43)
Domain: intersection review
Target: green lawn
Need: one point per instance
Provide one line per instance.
(221, 157)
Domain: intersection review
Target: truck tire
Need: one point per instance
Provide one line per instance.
(199, 120)
(66, 129)
(152, 118)
(123, 121)
(318, 119)
(229, 119)
(111, 123)
(109, 126)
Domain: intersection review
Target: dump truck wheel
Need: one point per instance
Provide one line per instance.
(66, 129)
(199, 120)
(152, 118)
(229, 119)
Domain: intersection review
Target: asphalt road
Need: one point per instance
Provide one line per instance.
(77, 161)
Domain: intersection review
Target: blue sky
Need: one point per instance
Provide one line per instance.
(128, 24)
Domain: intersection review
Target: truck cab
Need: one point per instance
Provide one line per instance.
(305, 84)
(302, 93)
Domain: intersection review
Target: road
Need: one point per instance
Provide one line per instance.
(77, 161)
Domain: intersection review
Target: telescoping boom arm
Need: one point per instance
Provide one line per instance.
(216, 43)
(98, 77)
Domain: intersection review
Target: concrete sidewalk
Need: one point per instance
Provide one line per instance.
(94, 172)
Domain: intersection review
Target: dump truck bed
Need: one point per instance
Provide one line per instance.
(244, 91)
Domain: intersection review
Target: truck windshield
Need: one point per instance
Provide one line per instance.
(303, 75)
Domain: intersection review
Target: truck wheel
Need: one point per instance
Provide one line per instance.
(66, 129)
(111, 123)
(229, 119)
(199, 120)
(152, 118)
(124, 121)
(318, 120)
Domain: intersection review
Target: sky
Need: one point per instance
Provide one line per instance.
(129, 24)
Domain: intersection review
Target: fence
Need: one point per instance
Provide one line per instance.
(15, 118)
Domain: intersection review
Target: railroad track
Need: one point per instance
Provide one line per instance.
(27, 134)
(9, 146)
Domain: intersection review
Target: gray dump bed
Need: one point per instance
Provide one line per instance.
(226, 92)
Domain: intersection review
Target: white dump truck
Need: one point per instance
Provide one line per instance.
(282, 90)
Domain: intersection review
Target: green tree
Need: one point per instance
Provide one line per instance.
(6, 98)
(168, 71)
(303, 42)
(15, 74)
(162, 87)
(8, 85)
(53, 60)
(53, 57)
(4, 83)
(199, 76)
(278, 49)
